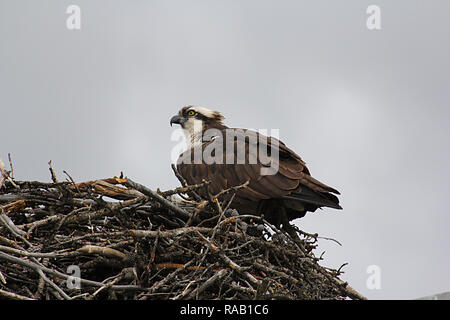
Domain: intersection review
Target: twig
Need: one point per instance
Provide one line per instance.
(184, 183)
(129, 183)
(37, 267)
(217, 277)
(179, 176)
(11, 166)
(107, 285)
(171, 276)
(52, 172)
(185, 189)
(24, 253)
(13, 296)
(235, 188)
(141, 234)
(9, 224)
(107, 252)
(53, 285)
(13, 206)
(5, 175)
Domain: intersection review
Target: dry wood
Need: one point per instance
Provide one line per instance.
(107, 252)
(148, 244)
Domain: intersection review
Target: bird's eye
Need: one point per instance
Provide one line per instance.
(191, 113)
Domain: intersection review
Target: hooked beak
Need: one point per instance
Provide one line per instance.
(178, 120)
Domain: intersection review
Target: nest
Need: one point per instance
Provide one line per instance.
(116, 239)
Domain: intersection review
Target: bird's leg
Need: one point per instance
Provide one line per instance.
(287, 227)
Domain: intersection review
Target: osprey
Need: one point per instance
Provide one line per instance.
(274, 180)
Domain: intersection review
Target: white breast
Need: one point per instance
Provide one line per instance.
(193, 132)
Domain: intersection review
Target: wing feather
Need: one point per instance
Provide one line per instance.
(292, 173)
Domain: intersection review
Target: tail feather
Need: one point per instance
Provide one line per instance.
(320, 199)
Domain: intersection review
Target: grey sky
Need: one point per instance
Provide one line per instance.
(367, 110)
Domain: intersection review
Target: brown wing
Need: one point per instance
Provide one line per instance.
(220, 165)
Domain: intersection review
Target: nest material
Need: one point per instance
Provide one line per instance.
(116, 239)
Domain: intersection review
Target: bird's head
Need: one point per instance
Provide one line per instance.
(195, 121)
(189, 117)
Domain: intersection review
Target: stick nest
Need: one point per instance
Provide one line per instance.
(116, 239)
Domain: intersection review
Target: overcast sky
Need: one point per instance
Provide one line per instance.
(368, 110)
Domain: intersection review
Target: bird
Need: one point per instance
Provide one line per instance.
(228, 159)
